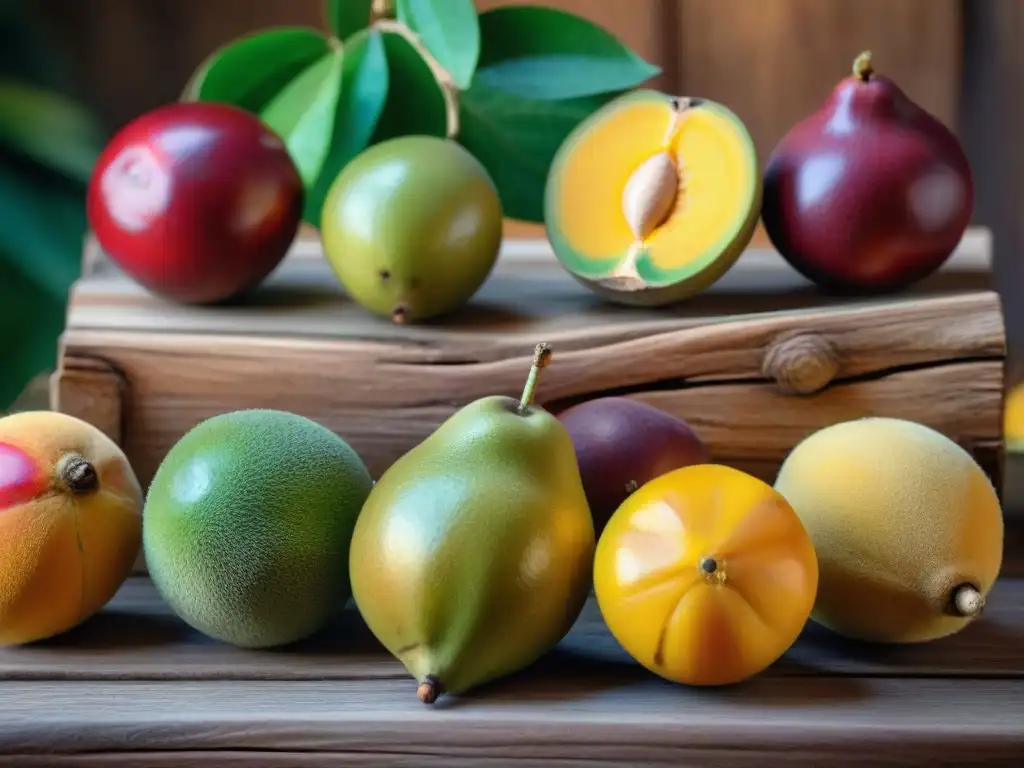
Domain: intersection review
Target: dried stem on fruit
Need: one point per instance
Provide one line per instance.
(444, 79)
(429, 690)
(862, 68)
(541, 358)
(967, 601)
(78, 475)
(382, 9)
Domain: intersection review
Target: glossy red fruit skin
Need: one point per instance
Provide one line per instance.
(869, 194)
(621, 444)
(198, 202)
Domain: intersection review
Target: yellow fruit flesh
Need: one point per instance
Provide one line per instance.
(677, 619)
(900, 516)
(717, 188)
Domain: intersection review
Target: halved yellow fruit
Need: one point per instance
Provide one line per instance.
(652, 198)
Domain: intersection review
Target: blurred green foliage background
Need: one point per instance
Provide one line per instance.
(48, 143)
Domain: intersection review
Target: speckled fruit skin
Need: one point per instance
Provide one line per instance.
(900, 516)
(248, 523)
(412, 227)
(621, 444)
(870, 193)
(197, 202)
(64, 553)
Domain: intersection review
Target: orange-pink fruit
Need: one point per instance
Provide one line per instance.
(70, 523)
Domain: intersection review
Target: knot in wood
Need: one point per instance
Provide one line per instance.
(801, 364)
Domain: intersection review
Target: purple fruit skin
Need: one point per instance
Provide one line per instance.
(869, 194)
(620, 442)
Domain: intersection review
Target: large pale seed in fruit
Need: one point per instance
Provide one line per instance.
(649, 194)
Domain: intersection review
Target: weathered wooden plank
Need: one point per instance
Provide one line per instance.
(755, 364)
(803, 722)
(738, 421)
(138, 638)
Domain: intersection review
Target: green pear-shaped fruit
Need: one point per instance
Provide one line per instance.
(471, 558)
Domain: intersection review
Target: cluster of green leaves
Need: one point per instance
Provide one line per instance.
(522, 77)
(48, 145)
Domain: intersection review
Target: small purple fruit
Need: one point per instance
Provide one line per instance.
(621, 444)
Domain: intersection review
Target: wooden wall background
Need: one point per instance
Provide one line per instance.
(772, 62)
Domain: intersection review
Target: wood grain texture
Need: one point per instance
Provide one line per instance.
(137, 637)
(134, 686)
(992, 120)
(808, 723)
(726, 360)
(775, 63)
(93, 390)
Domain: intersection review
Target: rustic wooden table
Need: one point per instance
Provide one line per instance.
(136, 687)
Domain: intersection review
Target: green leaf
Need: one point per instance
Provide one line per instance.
(516, 139)
(31, 321)
(449, 30)
(49, 128)
(303, 114)
(346, 17)
(42, 218)
(41, 223)
(252, 70)
(364, 90)
(415, 103)
(549, 54)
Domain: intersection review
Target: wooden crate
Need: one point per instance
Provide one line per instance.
(755, 364)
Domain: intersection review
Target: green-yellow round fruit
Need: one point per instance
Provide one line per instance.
(412, 227)
(248, 523)
(907, 527)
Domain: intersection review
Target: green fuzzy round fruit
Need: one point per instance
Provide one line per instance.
(412, 227)
(248, 523)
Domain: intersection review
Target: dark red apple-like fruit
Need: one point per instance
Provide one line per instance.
(198, 202)
(869, 194)
(621, 444)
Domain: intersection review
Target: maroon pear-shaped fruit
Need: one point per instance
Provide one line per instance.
(621, 444)
(869, 194)
(196, 201)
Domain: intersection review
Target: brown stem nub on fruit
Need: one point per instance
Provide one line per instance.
(429, 690)
(398, 314)
(862, 68)
(967, 601)
(541, 357)
(382, 9)
(79, 475)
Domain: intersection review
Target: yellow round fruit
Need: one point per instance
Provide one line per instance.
(705, 575)
(1013, 419)
(907, 527)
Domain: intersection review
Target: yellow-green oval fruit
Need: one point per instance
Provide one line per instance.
(473, 555)
(907, 527)
(247, 526)
(653, 198)
(412, 227)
